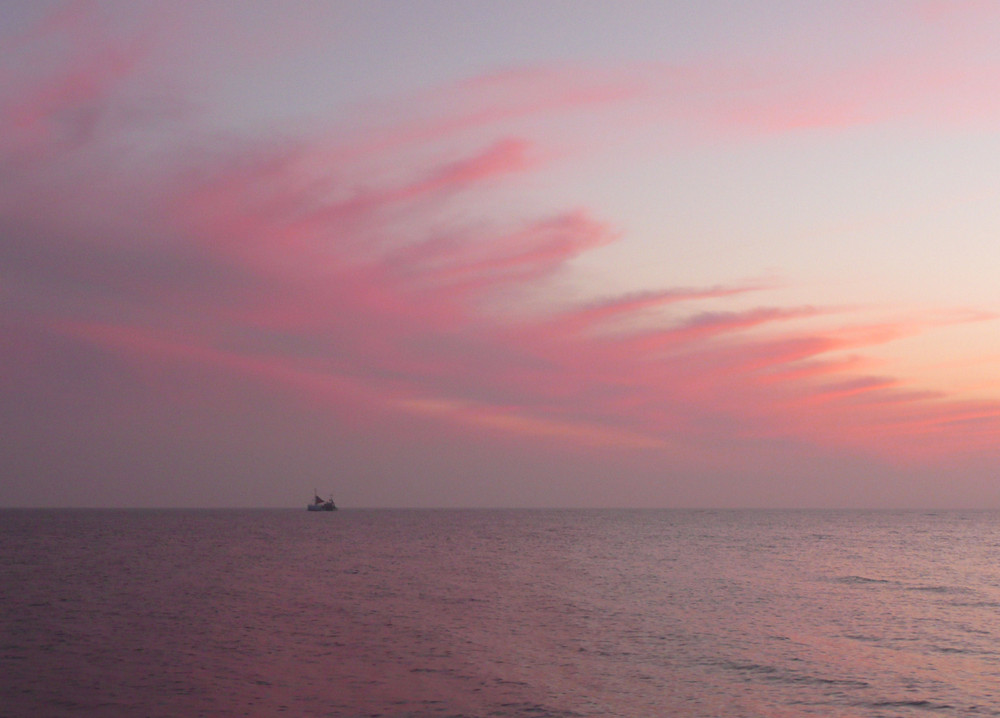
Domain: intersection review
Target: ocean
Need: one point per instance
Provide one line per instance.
(509, 613)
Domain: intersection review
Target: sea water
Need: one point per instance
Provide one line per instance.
(499, 613)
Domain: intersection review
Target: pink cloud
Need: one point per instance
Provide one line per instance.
(504, 156)
(361, 287)
(485, 102)
(937, 12)
(56, 107)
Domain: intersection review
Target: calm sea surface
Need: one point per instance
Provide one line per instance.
(499, 613)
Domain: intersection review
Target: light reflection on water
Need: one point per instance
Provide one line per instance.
(499, 613)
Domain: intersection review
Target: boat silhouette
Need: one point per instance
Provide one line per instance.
(321, 504)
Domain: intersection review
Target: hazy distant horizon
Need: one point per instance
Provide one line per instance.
(708, 509)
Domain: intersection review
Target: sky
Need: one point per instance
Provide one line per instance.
(518, 254)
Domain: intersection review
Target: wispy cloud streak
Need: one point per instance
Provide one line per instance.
(389, 279)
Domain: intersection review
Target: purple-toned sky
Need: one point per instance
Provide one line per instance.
(500, 253)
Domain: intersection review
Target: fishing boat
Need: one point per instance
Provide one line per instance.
(321, 504)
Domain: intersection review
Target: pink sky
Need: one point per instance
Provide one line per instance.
(713, 255)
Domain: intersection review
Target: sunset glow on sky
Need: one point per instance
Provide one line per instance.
(500, 254)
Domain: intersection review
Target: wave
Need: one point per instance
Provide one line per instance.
(860, 580)
(940, 589)
(922, 704)
(773, 673)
